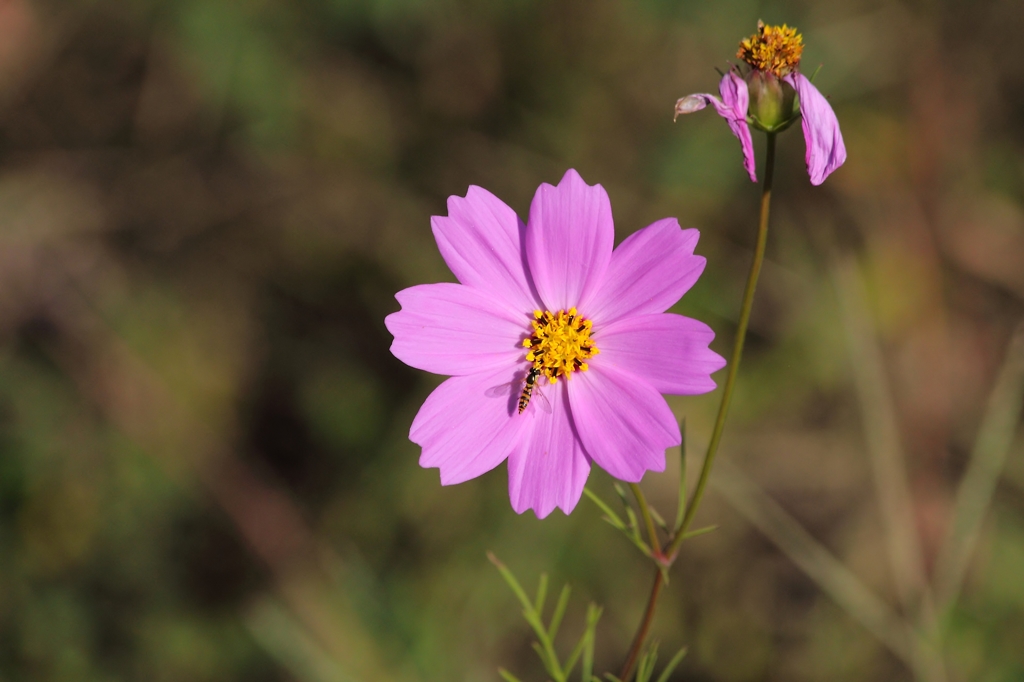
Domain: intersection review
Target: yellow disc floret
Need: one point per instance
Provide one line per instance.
(560, 343)
(774, 49)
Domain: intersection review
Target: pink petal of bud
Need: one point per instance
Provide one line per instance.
(825, 148)
(737, 98)
(732, 107)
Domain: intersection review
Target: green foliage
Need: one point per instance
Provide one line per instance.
(582, 653)
(646, 665)
(630, 528)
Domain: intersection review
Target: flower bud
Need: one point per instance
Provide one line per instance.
(771, 101)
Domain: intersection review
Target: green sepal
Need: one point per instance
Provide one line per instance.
(755, 123)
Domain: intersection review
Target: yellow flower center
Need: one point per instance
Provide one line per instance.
(560, 343)
(774, 49)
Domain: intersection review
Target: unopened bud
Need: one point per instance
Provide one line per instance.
(771, 101)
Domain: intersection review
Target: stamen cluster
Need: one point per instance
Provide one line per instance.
(773, 49)
(560, 343)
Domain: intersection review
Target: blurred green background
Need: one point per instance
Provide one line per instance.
(206, 207)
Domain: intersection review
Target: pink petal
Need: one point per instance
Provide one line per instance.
(463, 431)
(737, 98)
(669, 352)
(551, 467)
(569, 240)
(453, 329)
(649, 271)
(733, 108)
(481, 240)
(825, 148)
(624, 423)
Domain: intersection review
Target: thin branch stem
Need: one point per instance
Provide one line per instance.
(645, 511)
(645, 627)
(723, 410)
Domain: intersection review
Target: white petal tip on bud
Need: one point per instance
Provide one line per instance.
(689, 104)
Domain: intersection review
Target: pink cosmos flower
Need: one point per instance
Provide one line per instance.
(549, 306)
(773, 54)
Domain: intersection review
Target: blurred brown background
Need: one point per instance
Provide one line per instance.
(206, 207)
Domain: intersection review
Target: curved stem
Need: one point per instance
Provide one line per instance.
(723, 411)
(737, 349)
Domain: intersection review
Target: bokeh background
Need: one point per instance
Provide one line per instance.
(206, 207)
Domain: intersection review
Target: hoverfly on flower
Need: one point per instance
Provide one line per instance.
(527, 387)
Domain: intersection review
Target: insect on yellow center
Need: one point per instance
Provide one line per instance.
(560, 343)
(774, 49)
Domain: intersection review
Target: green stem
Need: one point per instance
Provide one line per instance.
(723, 410)
(645, 511)
(737, 349)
